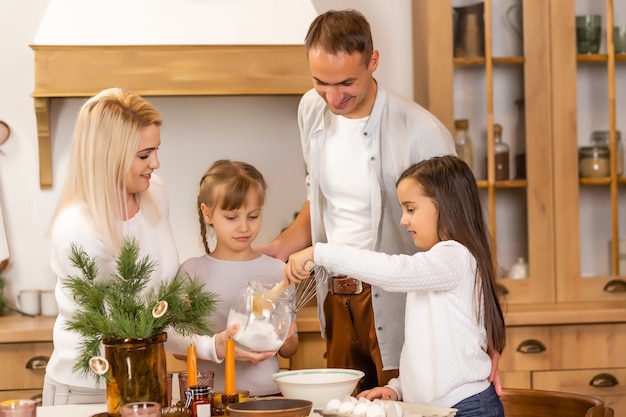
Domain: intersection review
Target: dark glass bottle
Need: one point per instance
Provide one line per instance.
(501, 151)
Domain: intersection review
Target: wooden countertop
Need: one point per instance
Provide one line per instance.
(565, 313)
(16, 328)
(523, 315)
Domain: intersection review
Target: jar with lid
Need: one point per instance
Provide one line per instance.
(266, 330)
(602, 138)
(501, 153)
(593, 162)
(199, 401)
(463, 142)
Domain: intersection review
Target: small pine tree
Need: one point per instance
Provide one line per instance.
(116, 307)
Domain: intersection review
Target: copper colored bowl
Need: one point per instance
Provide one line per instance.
(275, 407)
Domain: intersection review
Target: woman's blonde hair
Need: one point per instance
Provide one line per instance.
(104, 144)
(226, 183)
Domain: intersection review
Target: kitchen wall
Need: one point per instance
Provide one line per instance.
(197, 130)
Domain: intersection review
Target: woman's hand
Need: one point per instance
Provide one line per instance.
(240, 354)
(383, 393)
(295, 270)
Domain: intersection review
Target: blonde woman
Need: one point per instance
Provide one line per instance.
(110, 193)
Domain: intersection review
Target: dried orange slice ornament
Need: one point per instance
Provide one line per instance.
(159, 309)
(99, 365)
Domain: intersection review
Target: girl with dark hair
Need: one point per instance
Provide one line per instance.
(453, 315)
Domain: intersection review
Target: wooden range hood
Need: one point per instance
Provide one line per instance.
(160, 70)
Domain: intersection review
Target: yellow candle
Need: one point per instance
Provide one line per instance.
(229, 368)
(192, 366)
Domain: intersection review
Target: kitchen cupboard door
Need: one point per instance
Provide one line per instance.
(311, 352)
(25, 363)
(589, 93)
(485, 89)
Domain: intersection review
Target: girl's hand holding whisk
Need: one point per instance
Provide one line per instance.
(296, 268)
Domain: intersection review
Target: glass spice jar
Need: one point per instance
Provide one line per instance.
(593, 162)
(199, 401)
(603, 138)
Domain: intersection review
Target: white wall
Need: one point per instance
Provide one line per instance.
(260, 130)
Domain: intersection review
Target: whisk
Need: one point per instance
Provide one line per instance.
(306, 289)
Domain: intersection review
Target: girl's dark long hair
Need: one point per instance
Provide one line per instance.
(450, 183)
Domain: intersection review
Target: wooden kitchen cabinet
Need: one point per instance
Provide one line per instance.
(573, 302)
(25, 348)
(312, 348)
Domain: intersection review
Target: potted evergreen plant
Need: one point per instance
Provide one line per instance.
(131, 323)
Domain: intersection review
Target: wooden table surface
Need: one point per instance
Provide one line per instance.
(17, 328)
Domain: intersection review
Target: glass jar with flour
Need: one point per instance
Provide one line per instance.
(264, 317)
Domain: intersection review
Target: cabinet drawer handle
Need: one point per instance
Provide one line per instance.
(603, 380)
(615, 286)
(37, 362)
(531, 346)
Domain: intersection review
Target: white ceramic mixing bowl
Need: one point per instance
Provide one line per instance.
(318, 385)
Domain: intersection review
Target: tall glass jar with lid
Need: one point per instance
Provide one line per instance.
(463, 142)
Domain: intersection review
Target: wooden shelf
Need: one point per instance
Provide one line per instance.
(599, 57)
(503, 184)
(480, 61)
(161, 70)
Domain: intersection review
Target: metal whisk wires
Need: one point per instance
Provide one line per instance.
(306, 289)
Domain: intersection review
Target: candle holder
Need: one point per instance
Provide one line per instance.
(222, 400)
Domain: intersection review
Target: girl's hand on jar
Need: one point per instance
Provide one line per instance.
(240, 353)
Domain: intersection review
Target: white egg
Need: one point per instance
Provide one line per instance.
(361, 408)
(332, 406)
(376, 410)
(346, 407)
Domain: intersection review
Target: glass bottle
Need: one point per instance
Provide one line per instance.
(601, 138)
(463, 142)
(501, 152)
(520, 141)
(199, 401)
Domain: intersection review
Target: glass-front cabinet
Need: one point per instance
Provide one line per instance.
(479, 64)
(509, 70)
(593, 228)
(540, 102)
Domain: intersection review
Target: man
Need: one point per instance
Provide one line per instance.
(357, 138)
